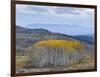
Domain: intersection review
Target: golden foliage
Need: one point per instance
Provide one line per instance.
(69, 44)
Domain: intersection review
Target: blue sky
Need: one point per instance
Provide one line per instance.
(66, 20)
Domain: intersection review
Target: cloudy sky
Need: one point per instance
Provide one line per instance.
(67, 20)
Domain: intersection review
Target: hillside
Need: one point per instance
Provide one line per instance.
(70, 29)
(20, 29)
(26, 37)
(59, 50)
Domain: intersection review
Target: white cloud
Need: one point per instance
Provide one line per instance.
(53, 14)
(54, 11)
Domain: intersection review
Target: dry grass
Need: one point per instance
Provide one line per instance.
(86, 63)
(22, 61)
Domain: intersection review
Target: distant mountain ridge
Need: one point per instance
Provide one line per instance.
(45, 34)
(70, 29)
(20, 29)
